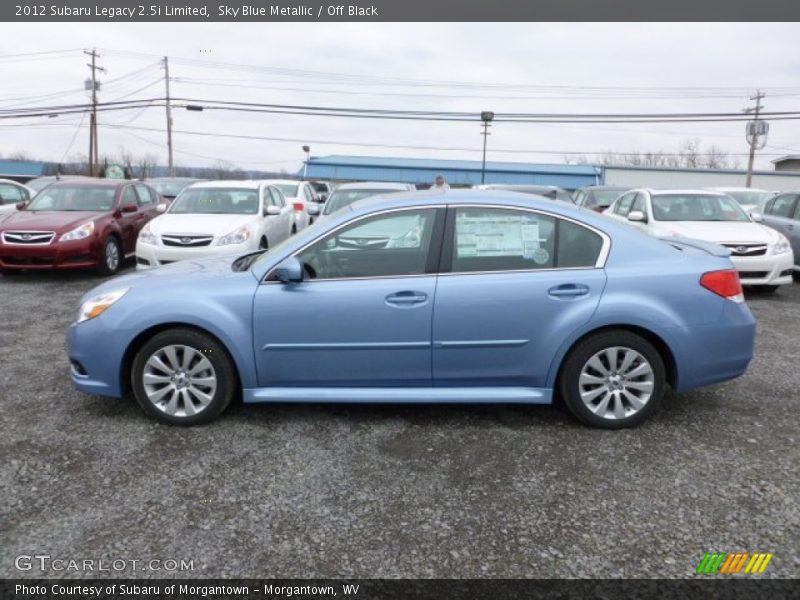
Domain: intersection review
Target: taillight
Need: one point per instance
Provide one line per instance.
(298, 206)
(724, 283)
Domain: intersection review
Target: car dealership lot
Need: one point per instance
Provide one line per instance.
(393, 491)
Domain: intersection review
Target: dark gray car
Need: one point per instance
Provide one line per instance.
(783, 213)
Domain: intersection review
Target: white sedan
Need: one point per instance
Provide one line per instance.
(213, 219)
(762, 255)
(301, 195)
(12, 193)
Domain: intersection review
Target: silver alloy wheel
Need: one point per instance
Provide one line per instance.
(179, 380)
(112, 255)
(616, 382)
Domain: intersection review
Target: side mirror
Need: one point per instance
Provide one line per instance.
(21, 205)
(637, 216)
(129, 208)
(313, 209)
(161, 207)
(272, 211)
(757, 217)
(289, 271)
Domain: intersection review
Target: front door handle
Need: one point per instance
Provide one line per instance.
(568, 290)
(406, 298)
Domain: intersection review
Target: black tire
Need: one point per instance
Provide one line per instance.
(224, 372)
(294, 229)
(106, 267)
(10, 272)
(578, 358)
(263, 244)
(768, 289)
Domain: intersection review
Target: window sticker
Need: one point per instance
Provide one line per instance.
(498, 235)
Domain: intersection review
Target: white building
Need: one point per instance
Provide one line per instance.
(667, 177)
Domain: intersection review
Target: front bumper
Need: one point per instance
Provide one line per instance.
(149, 256)
(78, 254)
(770, 269)
(95, 355)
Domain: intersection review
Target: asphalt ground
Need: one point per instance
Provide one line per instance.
(391, 491)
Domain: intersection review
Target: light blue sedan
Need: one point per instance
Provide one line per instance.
(484, 296)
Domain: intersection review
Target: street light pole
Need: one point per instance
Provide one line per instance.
(486, 116)
(307, 150)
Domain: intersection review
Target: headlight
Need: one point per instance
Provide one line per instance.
(94, 307)
(146, 236)
(782, 246)
(240, 236)
(79, 233)
(411, 239)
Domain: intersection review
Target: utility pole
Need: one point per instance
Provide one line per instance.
(93, 85)
(307, 150)
(486, 116)
(756, 130)
(169, 119)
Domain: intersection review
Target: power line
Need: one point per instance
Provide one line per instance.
(310, 140)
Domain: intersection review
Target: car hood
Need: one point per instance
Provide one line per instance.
(198, 224)
(188, 274)
(46, 220)
(721, 231)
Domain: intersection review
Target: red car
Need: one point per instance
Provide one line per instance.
(77, 224)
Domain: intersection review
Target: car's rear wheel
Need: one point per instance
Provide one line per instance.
(183, 377)
(111, 260)
(613, 379)
(768, 289)
(262, 244)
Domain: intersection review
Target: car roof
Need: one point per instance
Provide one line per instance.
(686, 191)
(181, 179)
(606, 187)
(372, 185)
(92, 182)
(737, 189)
(466, 197)
(516, 186)
(249, 184)
(272, 181)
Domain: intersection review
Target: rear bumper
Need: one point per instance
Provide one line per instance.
(773, 269)
(718, 352)
(80, 254)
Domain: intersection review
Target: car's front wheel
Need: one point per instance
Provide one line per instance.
(613, 379)
(111, 260)
(183, 377)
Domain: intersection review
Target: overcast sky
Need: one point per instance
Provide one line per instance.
(672, 60)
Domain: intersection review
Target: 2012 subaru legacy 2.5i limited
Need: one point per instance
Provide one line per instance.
(460, 296)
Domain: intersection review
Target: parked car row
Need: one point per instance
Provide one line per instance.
(117, 219)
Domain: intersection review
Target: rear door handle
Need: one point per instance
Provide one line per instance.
(568, 290)
(406, 298)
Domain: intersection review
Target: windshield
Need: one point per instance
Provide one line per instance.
(40, 184)
(341, 198)
(216, 201)
(170, 189)
(696, 207)
(602, 197)
(75, 198)
(288, 189)
(750, 197)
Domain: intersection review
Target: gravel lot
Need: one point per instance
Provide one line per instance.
(393, 491)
